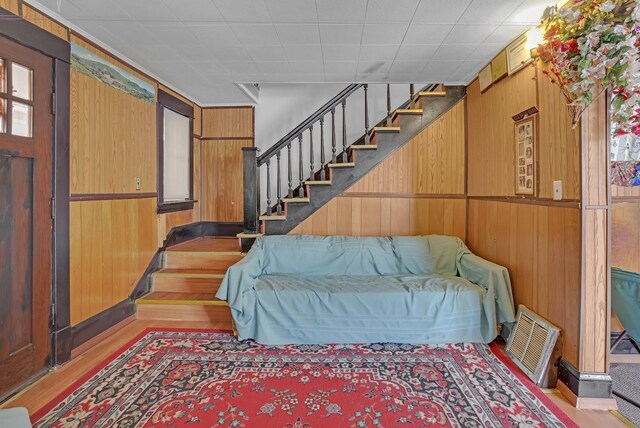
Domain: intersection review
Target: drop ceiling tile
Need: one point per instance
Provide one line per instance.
(294, 77)
(230, 53)
(454, 52)
(218, 33)
(171, 34)
(194, 10)
(312, 67)
(270, 67)
(505, 34)
(341, 34)
(529, 12)
(298, 34)
(489, 11)
(340, 52)
(463, 33)
(383, 34)
(486, 52)
(469, 67)
(131, 32)
(292, 10)
(244, 67)
(192, 52)
(145, 10)
(153, 53)
(243, 10)
(266, 52)
(407, 67)
(330, 11)
(97, 30)
(92, 9)
(416, 52)
(440, 11)
(256, 34)
(385, 11)
(373, 67)
(303, 52)
(340, 77)
(210, 67)
(381, 77)
(441, 67)
(398, 77)
(430, 34)
(377, 52)
(341, 67)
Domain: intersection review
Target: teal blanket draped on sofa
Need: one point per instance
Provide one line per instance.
(338, 289)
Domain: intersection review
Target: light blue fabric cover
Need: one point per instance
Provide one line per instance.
(625, 300)
(337, 289)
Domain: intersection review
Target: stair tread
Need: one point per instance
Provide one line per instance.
(433, 94)
(217, 253)
(273, 217)
(248, 235)
(191, 273)
(386, 129)
(364, 147)
(408, 111)
(342, 165)
(316, 182)
(179, 298)
(207, 244)
(296, 200)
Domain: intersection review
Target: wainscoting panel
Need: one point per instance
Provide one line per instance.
(111, 244)
(540, 245)
(383, 216)
(227, 122)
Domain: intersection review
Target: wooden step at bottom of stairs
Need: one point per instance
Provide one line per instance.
(170, 306)
(187, 280)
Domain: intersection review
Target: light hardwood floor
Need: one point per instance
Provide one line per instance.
(43, 391)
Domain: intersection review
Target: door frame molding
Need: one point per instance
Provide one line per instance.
(33, 37)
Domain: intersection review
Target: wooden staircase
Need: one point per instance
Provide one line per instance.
(336, 176)
(185, 287)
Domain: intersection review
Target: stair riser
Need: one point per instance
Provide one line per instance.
(187, 260)
(186, 285)
(169, 312)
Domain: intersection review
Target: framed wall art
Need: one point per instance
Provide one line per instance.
(499, 66)
(484, 78)
(525, 140)
(518, 55)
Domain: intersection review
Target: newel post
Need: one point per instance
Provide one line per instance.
(251, 180)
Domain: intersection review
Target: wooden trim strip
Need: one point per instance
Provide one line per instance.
(110, 196)
(226, 138)
(630, 199)
(565, 203)
(401, 195)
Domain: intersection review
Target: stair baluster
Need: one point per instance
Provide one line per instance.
(389, 121)
(323, 174)
(367, 137)
(300, 168)
(345, 156)
(311, 171)
(278, 192)
(333, 136)
(268, 187)
(289, 173)
(412, 99)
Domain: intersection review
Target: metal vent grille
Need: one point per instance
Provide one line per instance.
(531, 343)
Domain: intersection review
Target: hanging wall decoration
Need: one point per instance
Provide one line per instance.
(92, 65)
(484, 78)
(525, 137)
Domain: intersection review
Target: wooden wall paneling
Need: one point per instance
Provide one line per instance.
(112, 242)
(625, 235)
(222, 179)
(227, 122)
(540, 245)
(11, 6)
(625, 192)
(44, 22)
(490, 140)
(433, 162)
(558, 143)
(197, 120)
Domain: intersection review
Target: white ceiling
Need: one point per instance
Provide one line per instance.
(201, 47)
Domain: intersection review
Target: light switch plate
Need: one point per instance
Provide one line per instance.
(557, 190)
(138, 183)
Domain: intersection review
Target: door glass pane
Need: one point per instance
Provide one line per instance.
(3, 76)
(22, 81)
(3, 115)
(21, 120)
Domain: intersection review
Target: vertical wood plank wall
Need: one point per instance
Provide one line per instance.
(418, 190)
(537, 239)
(225, 130)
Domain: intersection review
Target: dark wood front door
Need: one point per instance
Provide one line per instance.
(25, 214)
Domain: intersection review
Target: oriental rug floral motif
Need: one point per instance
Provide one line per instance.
(193, 378)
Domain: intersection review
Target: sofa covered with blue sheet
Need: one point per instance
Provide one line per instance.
(337, 289)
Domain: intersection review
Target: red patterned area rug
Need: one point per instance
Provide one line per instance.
(194, 378)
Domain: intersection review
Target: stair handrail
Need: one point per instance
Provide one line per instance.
(304, 125)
